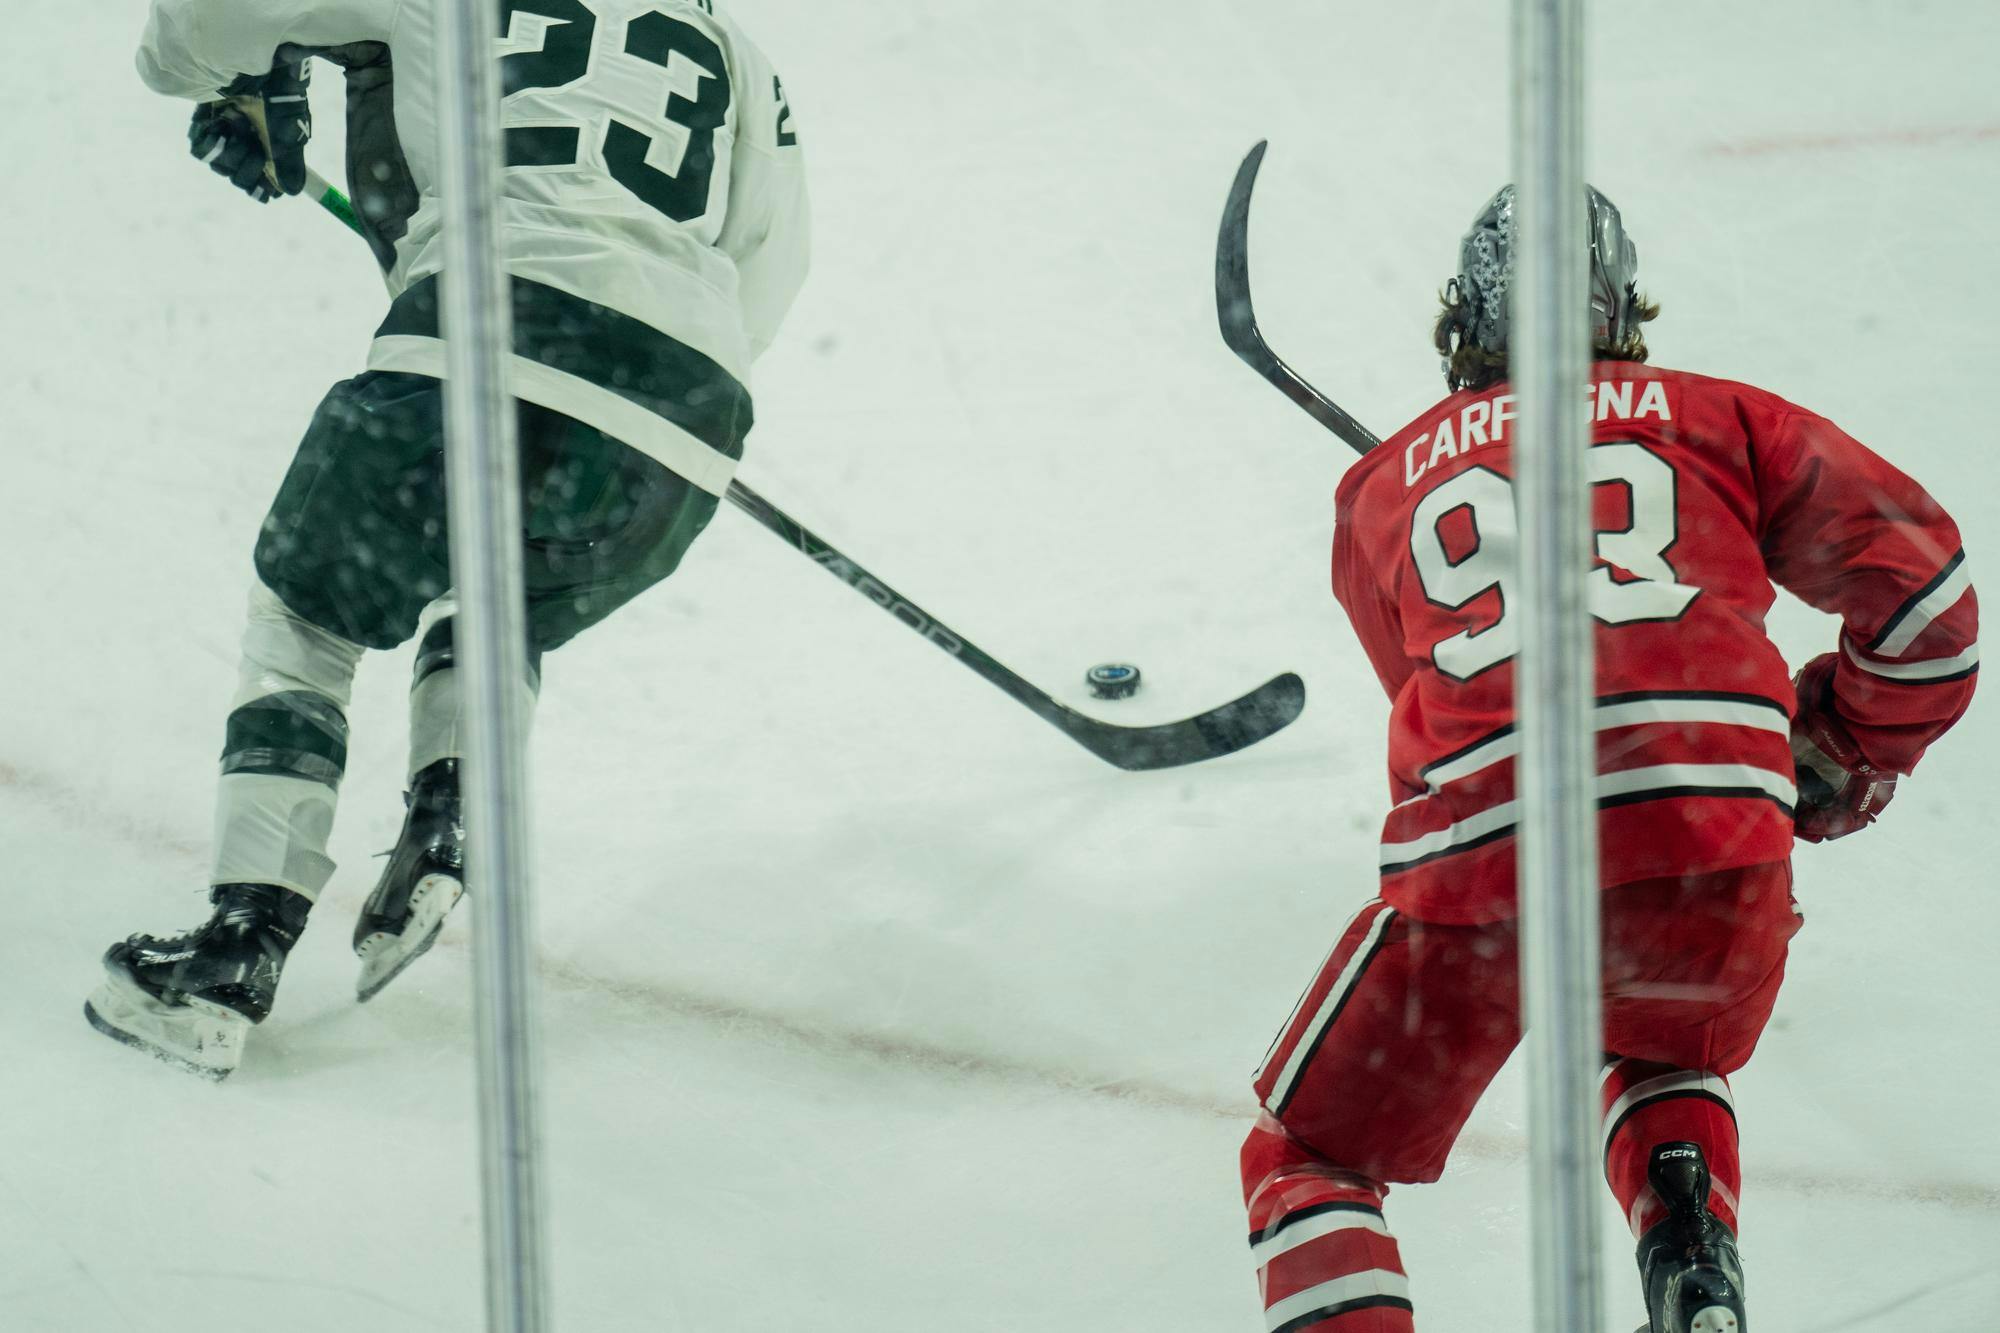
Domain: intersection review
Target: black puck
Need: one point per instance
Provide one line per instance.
(1112, 680)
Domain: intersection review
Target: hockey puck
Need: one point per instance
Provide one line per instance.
(1112, 680)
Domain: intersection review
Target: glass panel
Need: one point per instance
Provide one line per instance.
(872, 1000)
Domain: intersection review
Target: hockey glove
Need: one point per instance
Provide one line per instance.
(256, 134)
(1840, 792)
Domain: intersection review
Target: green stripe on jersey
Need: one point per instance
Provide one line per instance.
(612, 351)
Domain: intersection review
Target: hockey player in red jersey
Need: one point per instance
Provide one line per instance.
(1712, 758)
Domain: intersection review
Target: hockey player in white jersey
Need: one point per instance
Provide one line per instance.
(655, 230)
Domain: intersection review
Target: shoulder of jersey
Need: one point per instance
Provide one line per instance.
(750, 67)
(1724, 387)
(714, 16)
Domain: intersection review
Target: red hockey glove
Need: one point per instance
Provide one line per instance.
(1840, 792)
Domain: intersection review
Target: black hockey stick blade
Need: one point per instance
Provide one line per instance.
(1239, 317)
(1268, 709)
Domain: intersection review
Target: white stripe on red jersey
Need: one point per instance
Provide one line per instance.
(1956, 667)
(1621, 710)
(1655, 782)
(1943, 593)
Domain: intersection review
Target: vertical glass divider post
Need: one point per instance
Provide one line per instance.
(1555, 674)
(490, 641)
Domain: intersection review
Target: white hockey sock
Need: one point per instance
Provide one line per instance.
(271, 829)
(285, 753)
(437, 718)
(437, 710)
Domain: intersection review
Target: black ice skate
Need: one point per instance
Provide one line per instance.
(424, 879)
(1688, 1264)
(189, 999)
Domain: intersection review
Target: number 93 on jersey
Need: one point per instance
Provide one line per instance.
(1463, 540)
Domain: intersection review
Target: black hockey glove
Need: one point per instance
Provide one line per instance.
(256, 134)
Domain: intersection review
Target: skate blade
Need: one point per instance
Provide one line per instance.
(1715, 1319)
(384, 956)
(199, 1037)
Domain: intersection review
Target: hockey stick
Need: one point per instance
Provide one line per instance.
(1245, 721)
(1239, 318)
(1242, 722)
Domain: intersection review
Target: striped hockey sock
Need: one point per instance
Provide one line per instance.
(1647, 1104)
(1325, 1259)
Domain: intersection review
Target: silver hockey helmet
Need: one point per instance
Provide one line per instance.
(1486, 267)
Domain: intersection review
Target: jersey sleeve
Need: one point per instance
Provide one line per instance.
(1850, 534)
(767, 230)
(195, 48)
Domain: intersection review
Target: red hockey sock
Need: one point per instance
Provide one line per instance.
(1326, 1262)
(1649, 1104)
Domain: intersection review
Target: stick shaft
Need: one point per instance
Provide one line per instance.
(1238, 316)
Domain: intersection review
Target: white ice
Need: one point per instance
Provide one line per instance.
(871, 1003)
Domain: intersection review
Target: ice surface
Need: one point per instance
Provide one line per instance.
(871, 1003)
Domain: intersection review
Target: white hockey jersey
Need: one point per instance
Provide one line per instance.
(654, 219)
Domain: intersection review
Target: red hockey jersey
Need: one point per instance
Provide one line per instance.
(1705, 492)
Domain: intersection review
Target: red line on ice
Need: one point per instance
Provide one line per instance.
(733, 1018)
(1809, 143)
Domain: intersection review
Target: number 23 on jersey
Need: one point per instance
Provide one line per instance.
(555, 50)
(1463, 539)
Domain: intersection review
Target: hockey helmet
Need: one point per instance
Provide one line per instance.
(1479, 294)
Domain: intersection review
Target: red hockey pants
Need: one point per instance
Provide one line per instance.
(1376, 1072)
